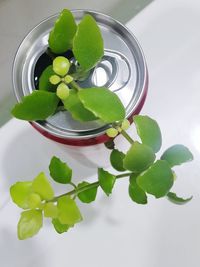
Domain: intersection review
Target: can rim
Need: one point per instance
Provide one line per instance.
(86, 134)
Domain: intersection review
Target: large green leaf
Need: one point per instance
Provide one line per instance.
(106, 181)
(139, 157)
(176, 155)
(116, 160)
(177, 200)
(103, 103)
(42, 187)
(44, 83)
(157, 180)
(88, 43)
(149, 131)
(60, 171)
(68, 211)
(20, 192)
(29, 224)
(37, 106)
(59, 227)
(76, 108)
(135, 192)
(88, 195)
(61, 36)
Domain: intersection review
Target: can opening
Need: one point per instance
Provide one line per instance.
(122, 69)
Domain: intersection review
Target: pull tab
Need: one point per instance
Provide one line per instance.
(113, 71)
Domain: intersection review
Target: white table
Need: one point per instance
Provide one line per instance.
(115, 231)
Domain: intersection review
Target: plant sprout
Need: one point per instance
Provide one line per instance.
(146, 174)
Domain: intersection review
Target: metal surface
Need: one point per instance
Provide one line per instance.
(122, 69)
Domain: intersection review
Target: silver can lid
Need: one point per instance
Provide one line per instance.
(122, 69)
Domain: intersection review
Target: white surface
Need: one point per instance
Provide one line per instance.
(117, 232)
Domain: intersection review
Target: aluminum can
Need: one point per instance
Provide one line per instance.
(122, 69)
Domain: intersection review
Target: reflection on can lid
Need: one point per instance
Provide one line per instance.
(122, 69)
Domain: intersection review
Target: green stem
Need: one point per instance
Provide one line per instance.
(72, 184)
(127, 136)
(86, 187)
(75, 86)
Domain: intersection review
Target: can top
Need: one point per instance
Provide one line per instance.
(122, 69)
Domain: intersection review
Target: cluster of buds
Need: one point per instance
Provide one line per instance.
(61, 66)
(115, 130)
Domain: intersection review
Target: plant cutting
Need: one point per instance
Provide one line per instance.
(73, 58)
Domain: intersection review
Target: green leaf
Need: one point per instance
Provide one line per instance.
(157, 180)
(44, 83)
(88, 195)
(20, 192)
(139, 157)
(148, 131)
(68, 212)
(176, 155)
(135, 192)
(29, 224)
(103, 103)
(88, 45)
(116, 160)
(106, 181)
(42, 187)
(34, 201)
(61, 36)
(76, 108)
(59, 227)
(37, 106)
(50, 210)
(177, 200)
(60, 171)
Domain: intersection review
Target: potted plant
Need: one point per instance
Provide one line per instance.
(61, 77)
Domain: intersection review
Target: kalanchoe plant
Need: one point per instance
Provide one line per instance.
(58, 84)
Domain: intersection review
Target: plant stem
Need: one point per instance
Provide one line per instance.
(75, 86)
(127, 136)
(86, 187)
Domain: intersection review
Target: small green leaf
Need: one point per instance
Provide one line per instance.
(157, 180)
(148, 131)
(59, 227)
(68, 212)
(176, 155)
(37, 106)
(50, 210)
(103, 103)
(88, 43)
(139, 157)
(177, 200)
(60, 171)
(34, 201)
(44, 83)
(29, 224)
(135, 192)
(89, 195)
(42, 187)
(61, 36)
(106, 181)
(116, 160)
(20, 192)
(76, 108)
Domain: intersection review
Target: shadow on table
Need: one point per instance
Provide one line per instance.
(30, 153)
(14, 252)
